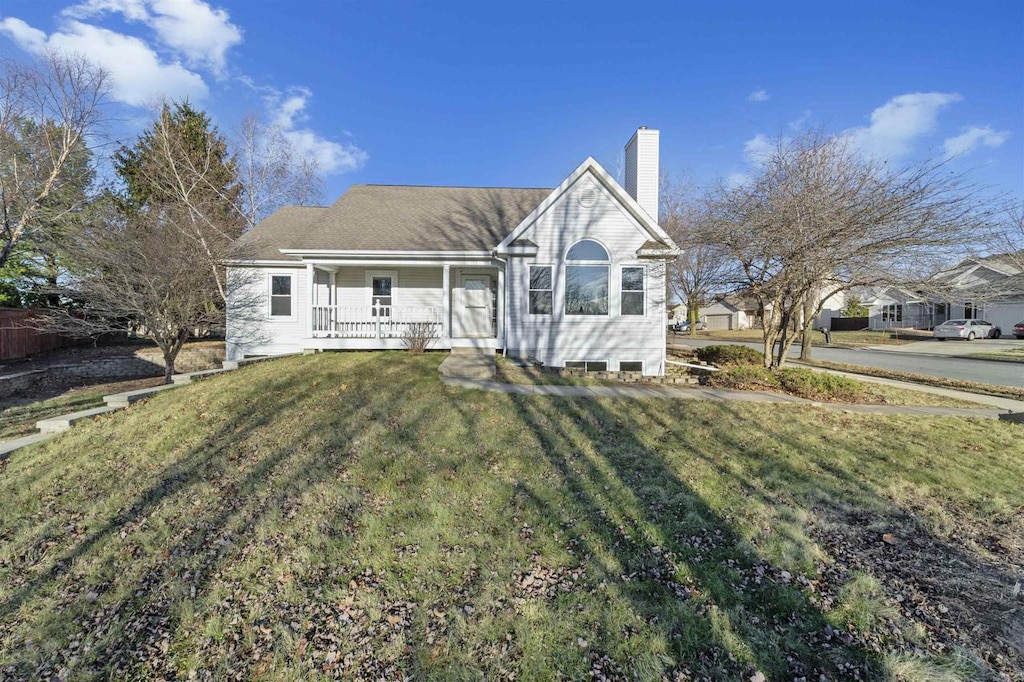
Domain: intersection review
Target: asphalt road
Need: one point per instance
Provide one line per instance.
(907, 360)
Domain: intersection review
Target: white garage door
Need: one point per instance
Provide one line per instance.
(719, 322)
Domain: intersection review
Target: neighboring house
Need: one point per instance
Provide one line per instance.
(896, 308)
(989, 288)
(729, 312)
(675, 313)
(571, 276)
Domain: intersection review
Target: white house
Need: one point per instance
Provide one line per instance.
(570, 276)
(989, 288)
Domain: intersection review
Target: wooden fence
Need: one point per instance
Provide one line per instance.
(18, 339)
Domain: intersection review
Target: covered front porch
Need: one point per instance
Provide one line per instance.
(388, 305)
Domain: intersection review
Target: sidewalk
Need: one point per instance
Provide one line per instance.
(723, 395)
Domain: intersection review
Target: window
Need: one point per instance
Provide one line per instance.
(892, 312)
(586, 286)
(971, 310)
(540, 289)
(380, 295)
(632, 302)
(631, 366)
(588, 366)
(280, 295)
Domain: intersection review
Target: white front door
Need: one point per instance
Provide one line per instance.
(477, 309)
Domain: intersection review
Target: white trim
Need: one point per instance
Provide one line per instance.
(529, 290)
(646, 286)
(590, 165)
(373, 254)
(368, 278)
(460, 305)
(263, 263)
(401, 263)
(291, 294)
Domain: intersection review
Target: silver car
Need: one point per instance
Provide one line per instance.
(966, 329)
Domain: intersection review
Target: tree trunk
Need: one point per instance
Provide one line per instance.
(806, 339)
(691, 315)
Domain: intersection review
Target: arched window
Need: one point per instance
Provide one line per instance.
(587, 249)
(586, 279)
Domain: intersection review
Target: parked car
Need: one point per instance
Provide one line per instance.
(967, 329)
(1018, 330)
(685, 326)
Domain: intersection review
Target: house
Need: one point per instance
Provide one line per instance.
(730, 312)
(570, 277)
(897, 308)
(990, 288)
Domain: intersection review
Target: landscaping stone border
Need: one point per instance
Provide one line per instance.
(51, 426)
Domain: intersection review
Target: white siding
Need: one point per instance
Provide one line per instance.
(250, 329)
(412, 286)
(641, 170)
(557, 338)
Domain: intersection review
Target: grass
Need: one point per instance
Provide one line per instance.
(20, 420)
(825, 387)
(1012, 355)
(854, 339)
(1010, 392)
(347, 514)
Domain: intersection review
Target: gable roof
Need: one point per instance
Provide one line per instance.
(381, 218)
(659, 242)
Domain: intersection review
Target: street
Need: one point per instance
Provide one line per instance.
(925, 357)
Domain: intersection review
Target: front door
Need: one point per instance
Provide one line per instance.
(477, 306)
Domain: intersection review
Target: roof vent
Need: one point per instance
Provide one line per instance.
(587, 197)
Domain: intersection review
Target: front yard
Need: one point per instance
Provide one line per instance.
(853, 339)
(349, 515)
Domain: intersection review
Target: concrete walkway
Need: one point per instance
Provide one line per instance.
(469, 363)
(721, 395)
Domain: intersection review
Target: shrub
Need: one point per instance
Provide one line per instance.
(820, 385)
(746, 378)
(418, 336)
(802, 383)
(730, 356)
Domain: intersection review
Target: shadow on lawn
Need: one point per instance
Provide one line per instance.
(130, 619)
(663, 543)
(940, 584)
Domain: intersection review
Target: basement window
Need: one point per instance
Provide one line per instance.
(589, 366)
(631, 366)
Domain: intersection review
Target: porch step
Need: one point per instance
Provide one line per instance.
(469, 363)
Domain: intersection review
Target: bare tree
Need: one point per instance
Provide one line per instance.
(271, 172)
(47, 110)
(820, 218)
(182, 162)
(137, 271)
(704, 267)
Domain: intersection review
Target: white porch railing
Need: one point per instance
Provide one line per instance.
(376, 322)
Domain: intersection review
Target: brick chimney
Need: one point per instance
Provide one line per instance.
(642, 169)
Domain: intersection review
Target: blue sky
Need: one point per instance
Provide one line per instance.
(517, 94)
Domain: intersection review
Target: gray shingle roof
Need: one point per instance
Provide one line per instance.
(396, 218)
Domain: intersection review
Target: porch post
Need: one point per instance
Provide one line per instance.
(499, 318)
(446, 302)
(310, 291)
(333, 317)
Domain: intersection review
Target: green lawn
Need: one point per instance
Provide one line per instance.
(20, 420)
(852, 338)
(349, 515)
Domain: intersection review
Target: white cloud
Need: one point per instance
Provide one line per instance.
(191, 29)
(967, 141)
(898, 123)
(758, 148)
(799, 122)
(758, 96)
(138, 76)
(288, 112)
(733, 180)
